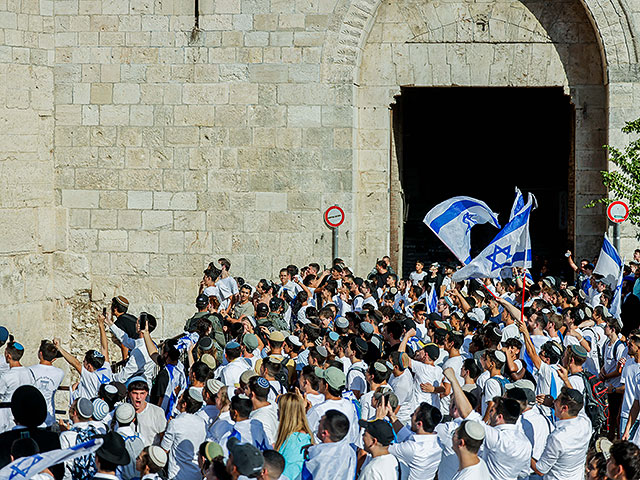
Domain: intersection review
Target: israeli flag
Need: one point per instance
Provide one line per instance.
(27, 467)
(432, 300)
(518, 204)
(610, 266)
(453, 219)
(510, 248)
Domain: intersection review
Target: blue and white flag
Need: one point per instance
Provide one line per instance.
(510, 248)
(453, 219)
(518, 204)
(432, 300)
(610, 266)
(27, 467)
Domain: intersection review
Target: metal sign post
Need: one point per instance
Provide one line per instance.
(617, 212)
(334, 217)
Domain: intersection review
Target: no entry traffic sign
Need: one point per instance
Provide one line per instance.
(618, 211)
(334, 216)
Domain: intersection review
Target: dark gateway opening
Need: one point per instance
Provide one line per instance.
(482, 142)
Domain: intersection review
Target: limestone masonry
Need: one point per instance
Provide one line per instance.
(135, 146)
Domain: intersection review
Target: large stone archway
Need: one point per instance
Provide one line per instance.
(383, 46)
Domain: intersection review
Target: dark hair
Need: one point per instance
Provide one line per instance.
(261, 393)
(491, 355)
(429, 416)
(377, 376)
(48, 350)
(275, 462)
(311, 332)
(309, 373)
(512, 342)
(471, 444)
(573, 406)
(138, 385)
(626, 455)
(549, 350)
(241, 405)
(200, 371)
(117, 306)
(456, 339)
(471, 366)
(16, 353)
(96, 361)
(192, 404)
(233, 353)
(508, 408)
(337, 424)
(106, 464)
(394, 329)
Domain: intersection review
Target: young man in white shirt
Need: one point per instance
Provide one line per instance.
(332, 383)
(381, 464)
(467, 441)
(492, 361)
(47, 378)
(332, 458)
(10, 381)
(183, 437)
(138, 361)
(507, 451)
(401, 381)
(247, 430)
(426, 375)
(418, 447)
(613, 354)
(150, 418)
(263, 411)
(564, 455)
(356, 381)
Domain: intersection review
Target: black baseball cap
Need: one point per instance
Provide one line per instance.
(378, 429)
(247, 458)
(202, 300)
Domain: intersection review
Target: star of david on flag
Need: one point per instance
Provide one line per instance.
(453, 219)
(510, 248)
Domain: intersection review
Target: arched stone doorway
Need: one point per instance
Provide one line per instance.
(530, 43)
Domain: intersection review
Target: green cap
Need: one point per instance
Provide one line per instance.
(333, 376)
(250, 341)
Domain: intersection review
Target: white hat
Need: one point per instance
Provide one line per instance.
(100, 409)
(196, 394)
(474, 430)
(294, 340)
(125, 413)
(476, 314)
(158, 456)
(500, 356)
(214, 386)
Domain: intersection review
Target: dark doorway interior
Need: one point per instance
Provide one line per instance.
(482, 142)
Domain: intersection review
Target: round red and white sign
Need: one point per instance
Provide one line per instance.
(334, 216)
(618, 211)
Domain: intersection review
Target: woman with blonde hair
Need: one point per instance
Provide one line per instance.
(293, 433)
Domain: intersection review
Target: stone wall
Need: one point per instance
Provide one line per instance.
(135, 147)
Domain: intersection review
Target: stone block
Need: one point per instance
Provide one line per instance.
(157, 220)
(129, 219)
(80, 198)
(112, 241)
(304, 116)
(140, 200)
(189, 220)
(143, 241)
(271, 201)
(101, 93)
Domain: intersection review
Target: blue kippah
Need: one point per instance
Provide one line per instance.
(233, 344)
(334, 336)
(18, 346)
(262, 382)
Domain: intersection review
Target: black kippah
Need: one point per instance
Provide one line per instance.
(28, 406)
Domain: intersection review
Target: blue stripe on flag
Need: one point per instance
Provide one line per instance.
(454, 210)
(517, 222)
(519, 257)
(609, 250)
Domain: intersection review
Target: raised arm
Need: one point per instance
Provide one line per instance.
(151, 347)
(464, 305)
(462, 402)
(104, 342)
(572, 264)
(528, 344)
(71, 360)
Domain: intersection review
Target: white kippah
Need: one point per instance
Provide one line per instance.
(501, 356)
(158, 456)
(474, 430)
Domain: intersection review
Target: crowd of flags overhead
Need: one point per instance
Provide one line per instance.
(452, 220)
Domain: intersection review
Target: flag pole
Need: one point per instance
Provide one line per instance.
(524, 289)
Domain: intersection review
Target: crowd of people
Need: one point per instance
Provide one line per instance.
(328, 375)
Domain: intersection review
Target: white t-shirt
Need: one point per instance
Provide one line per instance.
(384, 467)
(492, 388)
(268, 416)
(9, 383)
(182, 440)
(423, 373)
(344, 406)
(151, 422)
(419, 454)
(478, 471)
(47, 379)
(611, 356)
(628, 378)
(456, 364)
(90, 382)
(227, 287)
(355, 377)
(415, 277)
(402, 386)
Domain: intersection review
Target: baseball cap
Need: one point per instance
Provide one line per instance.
(378, 429)
(574, 395)
(334, 377)
(523, 383)
(246, 458)
(202, 300)
(250, 341)
(125, 413)
(276, 336)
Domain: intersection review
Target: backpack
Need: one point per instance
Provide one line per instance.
(282, 376)
(596, 405)
(503, 383)
(84, 468)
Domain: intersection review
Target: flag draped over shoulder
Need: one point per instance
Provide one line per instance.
(453, 219)
(510, 248)
(27, 467)
(610, 266)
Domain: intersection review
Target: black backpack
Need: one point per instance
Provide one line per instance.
(596, 405)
